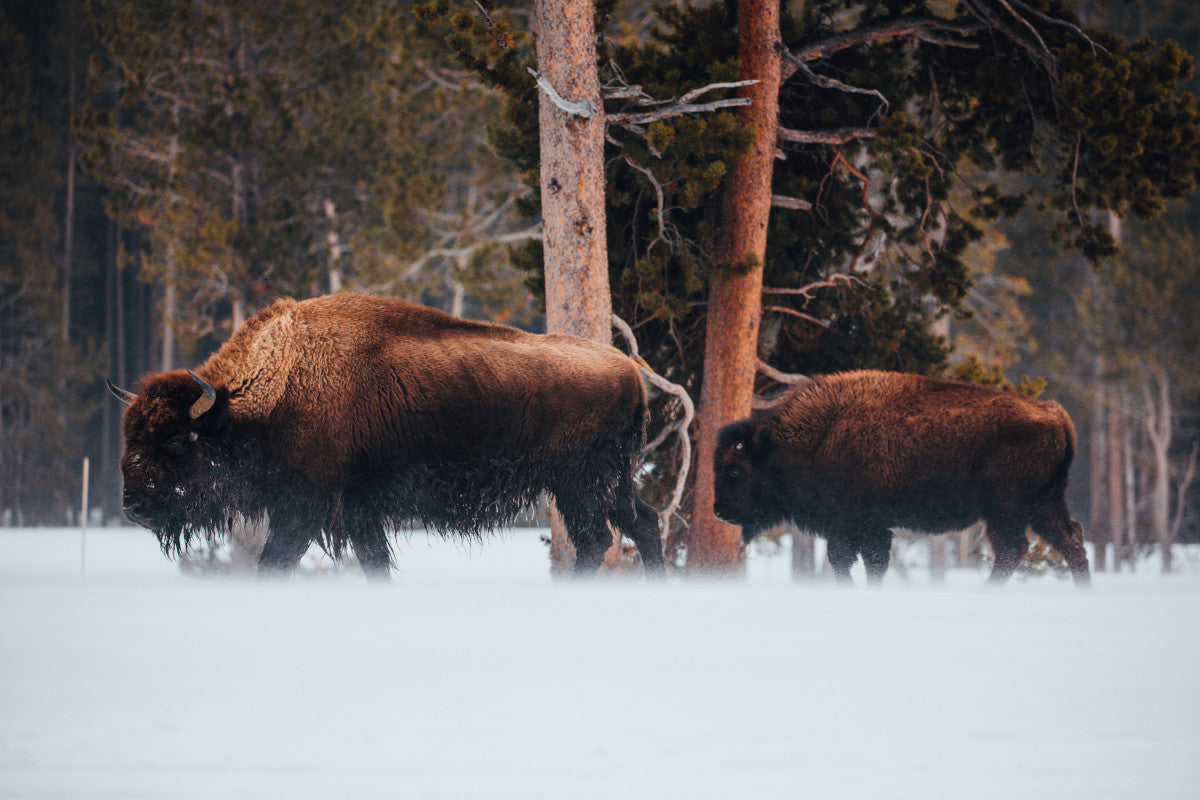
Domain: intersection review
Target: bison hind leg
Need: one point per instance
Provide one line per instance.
(1009, 546)
(633, 518)
(1057, 529)
(371, 546)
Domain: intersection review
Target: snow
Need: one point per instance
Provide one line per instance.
(473, 675)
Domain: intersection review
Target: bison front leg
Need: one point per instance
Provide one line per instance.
(876, 549)
(842, 554)
(286, 545)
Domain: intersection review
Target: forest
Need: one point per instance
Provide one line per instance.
(992, 190)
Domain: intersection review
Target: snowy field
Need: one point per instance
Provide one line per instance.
(473, 675)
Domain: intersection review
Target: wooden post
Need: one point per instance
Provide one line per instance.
(83, 519)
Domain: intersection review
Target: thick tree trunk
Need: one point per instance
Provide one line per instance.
(578, 300)
(735, 303)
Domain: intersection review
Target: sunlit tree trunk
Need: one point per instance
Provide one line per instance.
(578, 300)
(735, 302)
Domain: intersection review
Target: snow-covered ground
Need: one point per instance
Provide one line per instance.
(473, 675)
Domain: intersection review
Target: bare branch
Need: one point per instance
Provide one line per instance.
(658, 191)
(921, 28)
(578, 108)
(836, 136)
(679, 109)
(793, 203)
(793, 312)
(679, 426)
(807, 290)
(831, 83)
(791, 379)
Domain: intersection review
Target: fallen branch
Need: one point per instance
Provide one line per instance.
(679, 426)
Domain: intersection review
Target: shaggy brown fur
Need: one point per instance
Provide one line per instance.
(853, 455)
(342, 416)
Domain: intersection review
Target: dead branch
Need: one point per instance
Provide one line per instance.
(679, 426)
(807, 290)
(578, 108)
(658, 191)
(627, 118)
(793, 203)
(836, 136)
(791, 379)
(922, 28)
(831, 83)
(793, 312)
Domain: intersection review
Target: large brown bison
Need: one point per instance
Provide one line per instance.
(853, 455)
(343, 416)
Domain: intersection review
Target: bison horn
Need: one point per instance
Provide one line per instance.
(206, 400)
(125, 397)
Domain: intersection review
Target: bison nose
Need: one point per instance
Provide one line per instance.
(136, 508)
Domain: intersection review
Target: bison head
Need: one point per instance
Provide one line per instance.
(741, 493)
(175, 461)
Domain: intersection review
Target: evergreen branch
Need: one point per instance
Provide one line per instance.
(835, 136)
(577, 108)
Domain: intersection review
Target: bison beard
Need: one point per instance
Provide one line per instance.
(342, 417)
(853, 455)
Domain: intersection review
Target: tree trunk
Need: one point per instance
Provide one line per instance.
(578, 300)
(1096, 474)
(1158, 428)
(735, 303)
(1116, 480)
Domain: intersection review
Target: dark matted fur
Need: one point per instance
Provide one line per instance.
(852, 455)
(345, 416)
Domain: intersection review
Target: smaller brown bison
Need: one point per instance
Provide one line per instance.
(853, 455)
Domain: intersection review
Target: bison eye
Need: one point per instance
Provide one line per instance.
(734, 472)
(175, 445)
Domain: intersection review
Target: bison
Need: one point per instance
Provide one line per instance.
(851, 456)
(340, 417)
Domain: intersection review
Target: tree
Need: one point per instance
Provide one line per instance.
(735, 298)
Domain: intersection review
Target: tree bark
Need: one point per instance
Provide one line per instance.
(735, 303)
(1158, 428)
(1096, 475)
(578, 300)
(1116, 480)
